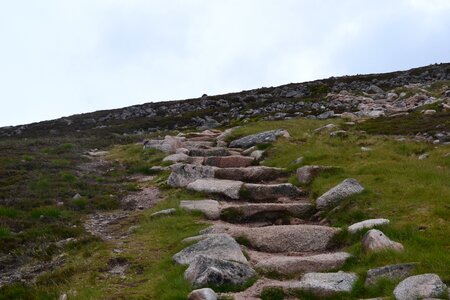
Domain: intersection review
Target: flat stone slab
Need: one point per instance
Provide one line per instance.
(261, 192)
(206, 271)
(285, 238)
(228, 188)
(250, 174)
(290, 265)
(178, 157)
(367, 224)
(218, 151)
(375, 240)
(220, 246)
(328, 284)
(164, 212)
(210, 208)
(399, 271)
(259, 138)
(183, 174)
(334, 196)
(420, 287)
(232, 161)
(236, 213)
(203, 294)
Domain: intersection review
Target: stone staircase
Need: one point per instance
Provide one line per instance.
(260, 225)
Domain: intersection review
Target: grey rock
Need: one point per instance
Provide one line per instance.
(261, 192)
(250, 174)
(202, 294)
(323, 128)
(399, 271)
(163, 212)
(232, 161)
(228, 188)
(420, 287)
(367, 224)
(237, 213)
(325, 115)
(210, 208)
(257, 154)
(334, 196)
(290, 265)
(209, 152)
(208, 271)
(424, 156)
(215, 246)
(375, 89)
(338, 133)
(306, 174)
(169, 145)
(259, 138)
(183, 174)
(287, 238)
(375, 240)
(77, 196)
(178, 157)
(328, 284)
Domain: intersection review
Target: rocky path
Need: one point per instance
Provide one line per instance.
(277, 227)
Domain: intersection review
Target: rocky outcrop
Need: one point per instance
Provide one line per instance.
(207, 271)
(333, 197)
(220, 246)
(259, 138)
(169, 145)
(375, 240)
(420, 287)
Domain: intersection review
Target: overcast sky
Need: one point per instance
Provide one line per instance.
(59, 58)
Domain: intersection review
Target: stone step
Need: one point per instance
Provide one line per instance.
(231, 161)
(250, 174)
(183, 174)
(216, 151)
(245, 212)
(282, 238)
(249, 191)
(289, 265)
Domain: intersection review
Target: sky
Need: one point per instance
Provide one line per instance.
(59, 58)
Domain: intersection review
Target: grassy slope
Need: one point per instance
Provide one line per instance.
(413, 194)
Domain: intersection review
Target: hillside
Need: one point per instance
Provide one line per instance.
(156, 200)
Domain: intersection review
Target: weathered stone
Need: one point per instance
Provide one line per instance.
(374, 89)
(326, 127)
(250, 174)
(183, 174)
(338, 133)
(210, 208)
(289, 265)
(216, 246)
(209, 152)
(169, 145)
(375, 240)
(328, 284)
(163, 212)
(243, 212)
(257, 154)
(326, 115)
(420, 287)
(261, 192)
(232, 161)
(334, 196)
(399, 271)
(178, 157)
(306, 174)
(202, 294)
(208, 271)
(367, 224)
(285, 238)
(259, 138)
(229, 188)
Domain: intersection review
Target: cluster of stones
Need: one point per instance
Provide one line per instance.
(360, 96)
(275, 223)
